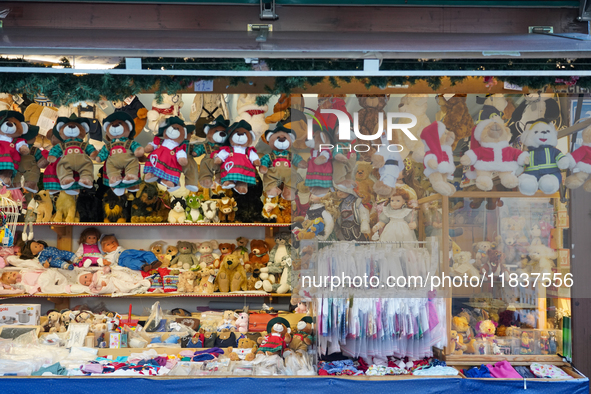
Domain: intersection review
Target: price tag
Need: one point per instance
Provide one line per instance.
(211, 278)
(46, 120)
(103, 104)
(129, 99)
(203, 85)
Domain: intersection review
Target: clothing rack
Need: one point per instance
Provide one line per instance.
(374, 242)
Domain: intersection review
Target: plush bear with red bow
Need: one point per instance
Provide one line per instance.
(490, 151)
(580, 159)
(439, 159)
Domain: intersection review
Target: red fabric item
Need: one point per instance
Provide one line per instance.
(363, 365)
(430, 136)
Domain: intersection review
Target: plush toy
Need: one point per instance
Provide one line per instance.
(41, 113)
(30, 164)
(461, 326)
(457, 344)
(277, 339)
(193, 212)
(490, 151)
(169, 105)
(178, 209)
(486, 328)
(389, 165)
(525, 345)
(481, 253)
(302, 202)
(288, 112)
(439, 159)
(207, 284)
(171, 253)
(246, 350)
(121, 153)
(228, 321)
(89, 206)
(276, 166)
(253, 114)
(187, 282)
(186, 258)
(238, 160)
(319, 174)
(158, 249)
(226, 248)
(207, 258)
(464, 264)
(259, 254)
(353, 219)
(372, 107)
(304, 336)
(545, 160)
(232, 276)
(227, 210)
(12, 127)
(73, 153)
(284, 211)
(114, 208)
(65, 209)
(534, 233)
(242, 248)
(508, 246)
(494, 264)
(455, 115)
(271, 210)
(580, 160)
(250, 205)
(280, 258)
(210, 211)
(535, 106)
(168, 154)
(364, 184)
(144, 206)
(215, 135)
(135, 109)
(53, 322)
(48, 256)
(542, 258)
(242, 322)
(417, 105)
(44, 206)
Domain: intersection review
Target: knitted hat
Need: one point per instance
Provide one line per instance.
(123, 116)
(11, 114)
(243, 124)
(173, 120)
(85, 122)
(277, 320)
(218, 122)
(307, 319)
(431, 136)
(32, 133)
(277, 129)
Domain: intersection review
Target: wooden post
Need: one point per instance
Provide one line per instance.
(64, 237)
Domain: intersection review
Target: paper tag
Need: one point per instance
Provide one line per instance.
(211, 278)
(5, 241)
(203, 85)
(511, 86)
(103, 104)
(193, 108)
(46, 120)
(129, 99)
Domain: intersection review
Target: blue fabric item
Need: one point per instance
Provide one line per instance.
(203, 357)
(136, 259)
(156, 340)
(172, 339)
(476, 372)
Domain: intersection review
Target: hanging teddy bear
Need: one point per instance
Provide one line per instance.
(535, 106)
(167, 154)
(121, 152)
(30, 165)
(74, 154)
(319, 174)
(238, 160)
(545, 161)
(276, 167)
(169, 106)
(439, 159)
(215, 135)
(12, 127)
(580, 159)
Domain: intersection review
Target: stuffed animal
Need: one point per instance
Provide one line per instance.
(535, 106)
(231, 276)
(210, 211)
(455, 115)
(121, 153)
(276, 167)
(73, 153)
(207, 258)
(545, 160)
(464, 264)
(246, 350)
(364, 184)
(242, 248)
(280, 258)
(486, 328)
(158, 249)
(135, 109)
(171, 253)
(168, 154)
(114, 208)
(242, 322)
(535, 232)
(288, 112)
(494, 264)
(215, 135)
(580, 159)
(390, 166)
(207, 284)
(144, 207)
(65, 209)
(304, 336)
(417, 105)
(439, 160)
(250, 205)
(187, 282)
(226, 248)
(319, 174)
(12, 127)
(542, 258)
(206, 107)
(490, 151)
(169, 105)
(238, 160)
(508, 245)
(457, 345)
(193, 212)
(284, 211)
(89, 206)
(461, 326)
(372, 107)
(29, 166)
(53, 322)
(277, 339)
(253, 114)
(259, 254)
(228, 321)
(271, 209)
(186, 258)
(44, 206)
(178, 209)
(227, 209)
(481, 253)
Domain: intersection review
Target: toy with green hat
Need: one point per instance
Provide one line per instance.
(12, 145)
(277, 338)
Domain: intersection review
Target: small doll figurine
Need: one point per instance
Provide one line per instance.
(132, 259)
(397, 220)
(216, 135)
(88, 253)
(121, 153)
(167, 154)
(73, 153)
(238, 160)
(276, 166)
(319, 174)
(353, 221)
(526, 345)
(277, 339)
(544, 342)
(12, 127)
(29, 166)
(47, 255)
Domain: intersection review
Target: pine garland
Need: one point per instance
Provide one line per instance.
(64, 89)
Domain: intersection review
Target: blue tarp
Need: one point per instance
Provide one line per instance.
(324, 385)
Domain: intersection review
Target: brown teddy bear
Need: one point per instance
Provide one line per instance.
(186, 258)
(246, 350)
(304, 336)
(238, 161)
(284, 211)
(288, 112)
(207, 258)
(171, 252)
(227, 209)
(73, 153)
(187, 282)
(232, 276)
(259, 254)
(242, 248)
(226, 249)
(122, 152)
(581, 160)
(369, 117)
(29, 166)
(12, 126)
(207, 284)
(455, 115)
(480, 250)
(276, 166)
(215, 135)
(158, 249)
(364, 188)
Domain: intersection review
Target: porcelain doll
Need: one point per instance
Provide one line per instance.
(88, 253)
(397, 220)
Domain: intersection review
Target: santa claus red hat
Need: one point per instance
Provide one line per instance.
(431, 136)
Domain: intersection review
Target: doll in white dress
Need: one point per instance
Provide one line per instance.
(397, 220)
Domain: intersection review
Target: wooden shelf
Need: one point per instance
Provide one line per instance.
(162, 224)
(145, 295)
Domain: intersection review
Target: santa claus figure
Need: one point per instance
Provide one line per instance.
(490, 152)
(439, 160)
